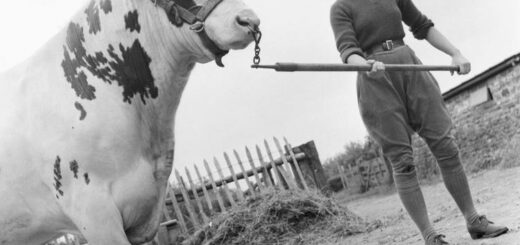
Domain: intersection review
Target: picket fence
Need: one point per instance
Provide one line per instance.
(363, 175)
(191, 202)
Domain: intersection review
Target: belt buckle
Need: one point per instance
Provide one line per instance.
(388, 45)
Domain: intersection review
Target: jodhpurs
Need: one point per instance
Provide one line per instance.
(401, 103)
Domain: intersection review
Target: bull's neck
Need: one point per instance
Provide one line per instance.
(131, 44)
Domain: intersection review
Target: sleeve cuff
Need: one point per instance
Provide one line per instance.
(421, 31)
(350, 51)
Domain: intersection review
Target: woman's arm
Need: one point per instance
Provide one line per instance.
(346, 41)
(440, 42)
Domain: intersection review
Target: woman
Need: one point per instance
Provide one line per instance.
(394, 105)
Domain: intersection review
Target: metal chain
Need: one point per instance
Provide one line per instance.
(257, 36)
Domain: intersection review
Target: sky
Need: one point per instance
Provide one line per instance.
(226, 109)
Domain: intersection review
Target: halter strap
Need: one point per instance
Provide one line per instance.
(207, 8)
(178, 15)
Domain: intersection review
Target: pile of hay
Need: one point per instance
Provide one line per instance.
(281, 217)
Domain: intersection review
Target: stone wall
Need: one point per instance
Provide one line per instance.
(483, 131)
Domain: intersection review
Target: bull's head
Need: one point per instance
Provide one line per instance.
(219, 25)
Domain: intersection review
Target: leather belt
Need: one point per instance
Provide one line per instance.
(384, 46)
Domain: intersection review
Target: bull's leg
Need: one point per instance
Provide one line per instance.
(98, 219)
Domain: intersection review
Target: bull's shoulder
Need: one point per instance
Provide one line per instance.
(12, 78)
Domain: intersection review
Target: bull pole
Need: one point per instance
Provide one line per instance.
(313, 67)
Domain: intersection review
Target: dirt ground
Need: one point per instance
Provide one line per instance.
(496, 194)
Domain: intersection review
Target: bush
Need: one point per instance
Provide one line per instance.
(512, 153)
(335, 184)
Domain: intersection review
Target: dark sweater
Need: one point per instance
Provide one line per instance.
(361, 24)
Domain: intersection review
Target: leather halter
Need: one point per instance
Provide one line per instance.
(180, 12)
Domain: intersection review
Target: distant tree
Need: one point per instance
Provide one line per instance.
(353, 151)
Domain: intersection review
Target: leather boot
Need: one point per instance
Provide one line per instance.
(483, 228)
(436, 240)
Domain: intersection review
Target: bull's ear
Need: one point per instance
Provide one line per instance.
(218, 60)
(170, 7)
(174, 16)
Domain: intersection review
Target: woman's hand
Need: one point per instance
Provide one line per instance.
(463, 64)
(378, 69)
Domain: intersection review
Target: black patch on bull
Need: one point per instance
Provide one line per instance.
(81, 110)
(57, 176)
(131, 69)
(132, 72)
(97, 66)
(71, 65)
(74, 166)
(87, 179)
(92, 12)
(132, 21)
(106, 6)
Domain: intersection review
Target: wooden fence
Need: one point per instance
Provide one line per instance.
(363, 175)
(195, 195)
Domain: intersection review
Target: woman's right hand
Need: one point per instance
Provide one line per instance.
(378, 69)
(463, 64)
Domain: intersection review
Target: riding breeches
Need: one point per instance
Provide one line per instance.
(403, 102)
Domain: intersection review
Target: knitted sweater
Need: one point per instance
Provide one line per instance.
(360, 24)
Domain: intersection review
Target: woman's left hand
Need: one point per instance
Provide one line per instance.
(378, 69)
(463, 64)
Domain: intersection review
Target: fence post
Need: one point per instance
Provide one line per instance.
(204, 190)
(187, 203)
(252, 163)
(196, 196)
(341, 175)
(350, 170)
(215, 190)
(344, 175)
(166, 214)
(311, 166)
(279, 178)
(244, 173)
(295, 165)
(178, 212)
(369, 177)
(290, 181)
(268, 178)
(379, 172)
(223, 183)
(235, 179)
